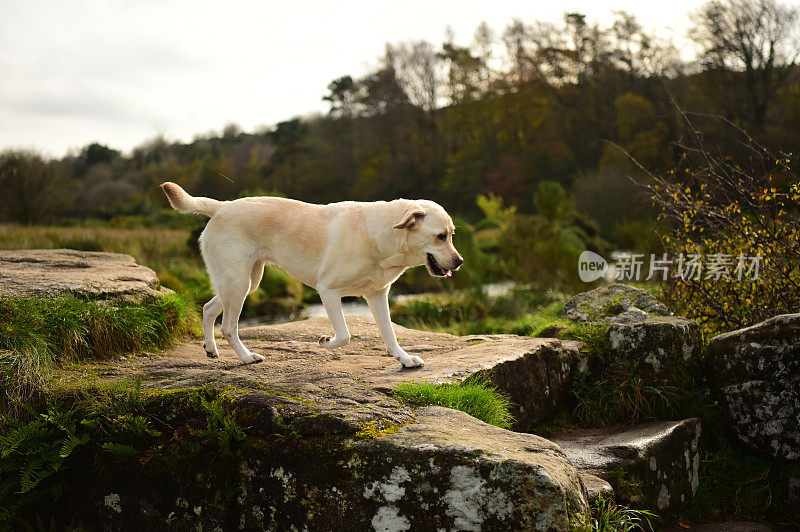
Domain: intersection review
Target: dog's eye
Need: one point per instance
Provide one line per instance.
(442, 236)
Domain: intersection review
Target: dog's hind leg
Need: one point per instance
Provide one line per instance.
(332, 301)
(231, 266)
(233, 300)
(211, 310)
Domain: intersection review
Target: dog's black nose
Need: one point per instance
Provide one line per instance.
(459, 261)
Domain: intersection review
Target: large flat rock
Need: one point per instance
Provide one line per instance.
(653, 465)
(757, 371)
(424, 469)
(49, 273)
(535, 373)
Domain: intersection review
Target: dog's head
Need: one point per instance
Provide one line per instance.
(429, 238)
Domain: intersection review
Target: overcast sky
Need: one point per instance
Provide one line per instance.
(120, 72)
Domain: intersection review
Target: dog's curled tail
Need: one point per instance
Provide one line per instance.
(181, 201)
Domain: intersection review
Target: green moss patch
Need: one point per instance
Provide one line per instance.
(594, 336)
(376, 429)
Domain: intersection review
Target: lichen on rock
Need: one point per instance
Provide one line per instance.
(644, 337)
(757, 372)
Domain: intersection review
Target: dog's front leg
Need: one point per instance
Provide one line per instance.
(332, 301)
(379, 304)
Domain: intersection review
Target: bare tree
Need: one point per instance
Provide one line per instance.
(468, 76)
(756, 38)
(483, 42)
(521, 50)
(420, 71)
(637, 52)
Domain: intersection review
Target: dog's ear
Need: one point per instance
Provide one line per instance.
(410, 218)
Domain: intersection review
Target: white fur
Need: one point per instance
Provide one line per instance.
(341, 249)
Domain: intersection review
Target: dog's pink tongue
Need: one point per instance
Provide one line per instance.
(448, 273)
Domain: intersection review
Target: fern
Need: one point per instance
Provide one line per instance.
(33, 473)
(31, 453)
(35, 430)
(120, 449)
(71, 443)
(221, 427)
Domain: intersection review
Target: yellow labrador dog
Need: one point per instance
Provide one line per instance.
(341, 249)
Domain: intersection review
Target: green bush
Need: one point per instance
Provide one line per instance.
(544, 248)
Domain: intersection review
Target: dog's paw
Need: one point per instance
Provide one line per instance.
(331, 342)
(411, 361)
(252, 358)
(210, 354)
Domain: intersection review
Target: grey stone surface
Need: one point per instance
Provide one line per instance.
(652, 465)
(757, 372)
(658, 348)
(632, 315)
(615, 302)
(596, 486)
(49, 273)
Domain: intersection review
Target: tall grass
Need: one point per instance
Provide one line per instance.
(168, 251)
(606, 516)
(477, 398)
(622, 398)
(150, 246)
(38, 334)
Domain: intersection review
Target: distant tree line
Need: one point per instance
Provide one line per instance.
(568, 103)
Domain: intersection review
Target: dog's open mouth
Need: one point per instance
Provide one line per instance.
(436, 270)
